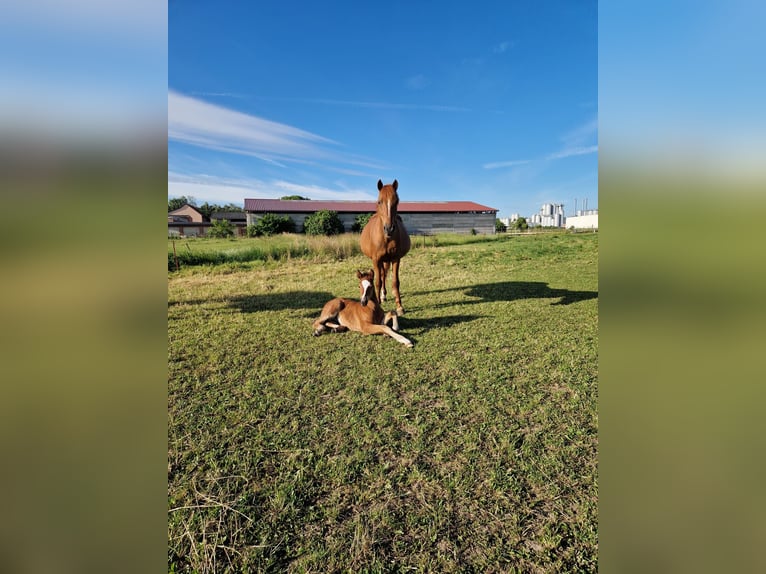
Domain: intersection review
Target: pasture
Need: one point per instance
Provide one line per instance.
(474, 451)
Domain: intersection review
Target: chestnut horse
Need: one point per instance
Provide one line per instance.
(385, 241)
(365, 316)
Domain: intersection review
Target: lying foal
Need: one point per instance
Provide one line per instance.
(365, 316)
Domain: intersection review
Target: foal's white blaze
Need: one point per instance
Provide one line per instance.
(365, 285)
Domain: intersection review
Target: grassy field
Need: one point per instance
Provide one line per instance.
(476, 451)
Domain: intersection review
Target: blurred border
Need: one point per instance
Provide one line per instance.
(83, 170)
(681, 183)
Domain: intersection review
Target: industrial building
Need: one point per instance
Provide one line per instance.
(419, 217)
(550, 215)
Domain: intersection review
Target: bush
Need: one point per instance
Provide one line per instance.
(271, 224)
(500, 227)
(521, 224)
(323, 223)
(360, 221)
(221, 228)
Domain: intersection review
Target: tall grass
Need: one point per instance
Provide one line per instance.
(194, 252)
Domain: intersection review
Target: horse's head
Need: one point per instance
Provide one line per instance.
(366, 286)
(388, 203)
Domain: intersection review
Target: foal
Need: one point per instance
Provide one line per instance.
(365, 316)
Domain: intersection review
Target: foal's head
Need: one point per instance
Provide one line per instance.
(366, 286)
(388, 203)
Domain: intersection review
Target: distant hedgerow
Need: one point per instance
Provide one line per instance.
(271, 224)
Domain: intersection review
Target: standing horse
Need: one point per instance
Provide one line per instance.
(365, 316)
(385, 240)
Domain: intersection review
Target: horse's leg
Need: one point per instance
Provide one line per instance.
(393, 318)
(380, 280)
(372, 329)
(335, 327)
(383, 292)
(329, 313)
(395, 286)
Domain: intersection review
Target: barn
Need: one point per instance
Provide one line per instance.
(420, 217)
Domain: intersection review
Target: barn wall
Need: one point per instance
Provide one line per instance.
(431, 223)
(416, 223)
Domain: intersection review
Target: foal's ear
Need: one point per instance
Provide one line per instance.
(396, 185)
(358, 274)
(371, 272)
(380, 185)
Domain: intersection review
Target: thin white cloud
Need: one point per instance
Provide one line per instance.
(511, 163)
(372, 105)
(503, 47)
(199, 123)
(573, 151)
(581, 135)
(195, 122)
(418, 82)
(219, 190)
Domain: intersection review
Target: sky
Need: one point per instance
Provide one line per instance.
(492, 102)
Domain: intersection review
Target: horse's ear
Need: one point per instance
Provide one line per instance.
(358, 274)
(380, 185)
(372, 272)
(396, 185)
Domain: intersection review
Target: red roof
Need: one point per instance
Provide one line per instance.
(311, 205)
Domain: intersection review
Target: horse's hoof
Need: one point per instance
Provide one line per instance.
(317, 333)
(400, 311)
(409, 345)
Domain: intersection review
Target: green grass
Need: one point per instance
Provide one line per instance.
(476, 451)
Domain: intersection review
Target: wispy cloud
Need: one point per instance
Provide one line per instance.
(390, 105)
(418, 82)
(221, 190)
(511, 163)
(581, 135)
(373, 105)
(199, 123)
(503, 47)
(575, 142)
(573, 151)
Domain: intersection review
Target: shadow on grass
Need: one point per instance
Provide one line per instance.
(298, 300)
(314, 300)
(409, 323)
(515, 290)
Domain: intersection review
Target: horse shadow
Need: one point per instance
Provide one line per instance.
(517, 290)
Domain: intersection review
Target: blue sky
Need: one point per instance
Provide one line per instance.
(493, 102)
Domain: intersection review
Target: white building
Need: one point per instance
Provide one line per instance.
(583, 219)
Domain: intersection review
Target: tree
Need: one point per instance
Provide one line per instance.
(323, 222)
(500, 227)
(207, 209)
(292, 197)
(221, 228)
(179, 202)
(360, 221)
(521, 224)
